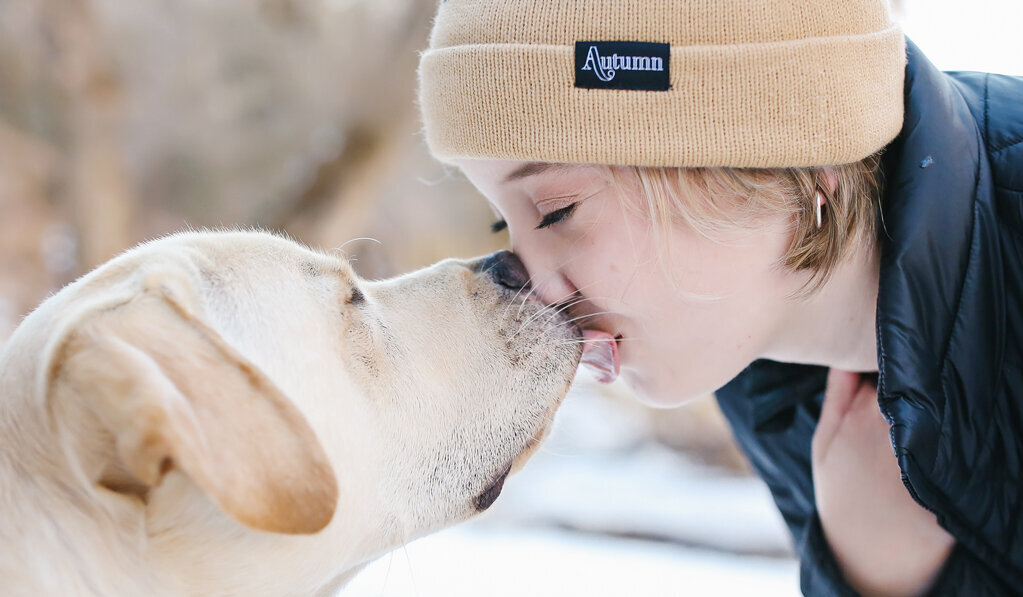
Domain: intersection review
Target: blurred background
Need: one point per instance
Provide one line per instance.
(121, 121)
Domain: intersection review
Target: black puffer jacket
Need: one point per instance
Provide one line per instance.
(949, 339)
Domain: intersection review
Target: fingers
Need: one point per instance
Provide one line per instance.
(838, 396)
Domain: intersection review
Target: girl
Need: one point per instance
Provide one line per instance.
(786, 199)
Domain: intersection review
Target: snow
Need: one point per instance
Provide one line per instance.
(469, 560)
(599, 472)
(602, 510)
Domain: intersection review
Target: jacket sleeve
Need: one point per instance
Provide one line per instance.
(773, 410)
(962, 574)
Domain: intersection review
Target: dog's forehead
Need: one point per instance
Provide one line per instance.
(254, 252)
(318, 264)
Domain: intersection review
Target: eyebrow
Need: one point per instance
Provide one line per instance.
(532, 169)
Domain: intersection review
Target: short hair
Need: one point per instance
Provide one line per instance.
(710, 200)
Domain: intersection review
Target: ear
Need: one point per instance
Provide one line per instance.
(174, 394)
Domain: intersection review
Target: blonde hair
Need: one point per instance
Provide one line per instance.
(712, 200)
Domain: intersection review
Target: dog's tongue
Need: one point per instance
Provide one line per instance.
(600, 354)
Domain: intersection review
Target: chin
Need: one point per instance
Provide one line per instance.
(655, 393)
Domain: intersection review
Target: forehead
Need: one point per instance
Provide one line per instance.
(509, 171)
(530, 169)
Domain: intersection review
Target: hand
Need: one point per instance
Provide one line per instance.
(884, 542)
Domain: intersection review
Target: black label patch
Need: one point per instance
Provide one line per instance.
(622, 65)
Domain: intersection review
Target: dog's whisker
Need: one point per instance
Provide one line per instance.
(387, 573)
(341, 248)
(532, 288)
(582, 317)
(568, 301)
(586, 315)
(562, 306)
(518, 293)
(557, 303)
(616, 340)
(515, 299)
(571, 303)
(585, 287)
(408, 561)
(530, 319)
(556, 308)
(555, 312)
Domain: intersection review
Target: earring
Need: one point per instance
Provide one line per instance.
(820, 201)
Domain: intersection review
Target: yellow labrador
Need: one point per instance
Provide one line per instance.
(233, 414)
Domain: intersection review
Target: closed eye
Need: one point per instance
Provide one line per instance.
(556, 216)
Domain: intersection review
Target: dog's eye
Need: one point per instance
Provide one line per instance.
(498, 226)
(356, 297)
(556, 216)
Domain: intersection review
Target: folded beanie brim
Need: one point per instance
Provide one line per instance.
(804, 102)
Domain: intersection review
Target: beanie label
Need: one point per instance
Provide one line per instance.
(622, 65)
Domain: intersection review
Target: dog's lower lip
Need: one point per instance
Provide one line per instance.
(490, 494)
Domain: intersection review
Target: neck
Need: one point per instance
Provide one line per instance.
(835, 326)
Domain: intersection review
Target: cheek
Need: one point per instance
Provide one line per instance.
(617, 261)
(689, 357)
(696, 332)
(721, 302)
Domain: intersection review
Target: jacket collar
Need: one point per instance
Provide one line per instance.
(935, 236)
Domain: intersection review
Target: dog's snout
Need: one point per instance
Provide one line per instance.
(506, 269)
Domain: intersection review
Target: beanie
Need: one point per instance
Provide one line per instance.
(738, 83)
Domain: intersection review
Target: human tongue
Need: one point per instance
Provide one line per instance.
(600, 354)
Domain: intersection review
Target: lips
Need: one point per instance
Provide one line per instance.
(490, 494)
(600, 355)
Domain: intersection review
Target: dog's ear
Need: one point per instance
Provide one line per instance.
(174, 394)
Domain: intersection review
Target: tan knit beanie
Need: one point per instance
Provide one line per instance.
(742, 83)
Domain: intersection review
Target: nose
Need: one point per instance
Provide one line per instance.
(506, 269)
(550, 283)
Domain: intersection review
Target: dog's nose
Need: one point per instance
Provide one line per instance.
(506, 269)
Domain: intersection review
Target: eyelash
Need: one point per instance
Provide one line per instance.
(556, 216)
(549, 220)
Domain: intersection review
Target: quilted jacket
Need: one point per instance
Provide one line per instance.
(949, 340)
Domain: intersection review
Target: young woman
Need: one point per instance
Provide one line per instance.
(786, 199)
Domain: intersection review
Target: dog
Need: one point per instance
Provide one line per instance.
(231, 413)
